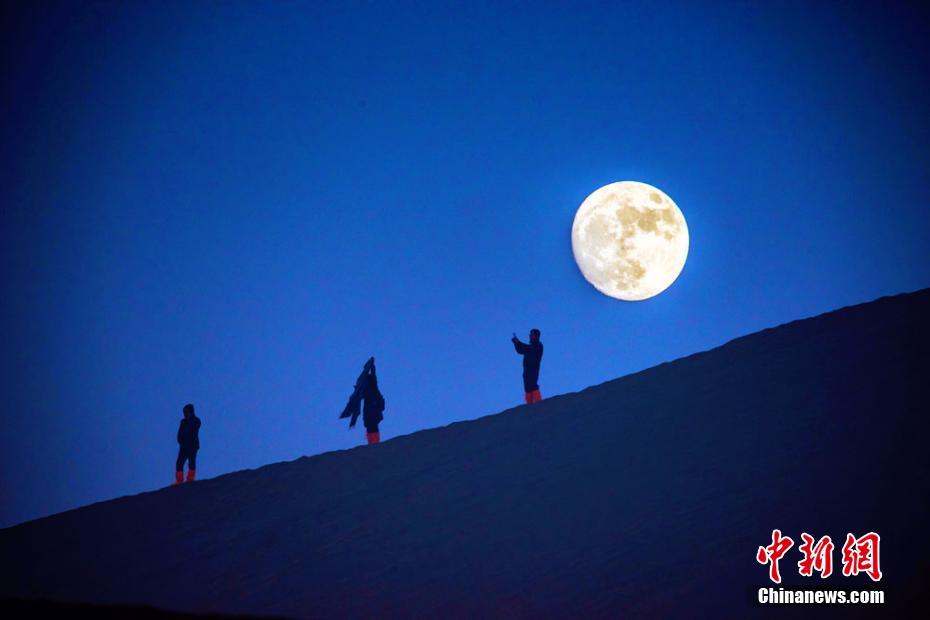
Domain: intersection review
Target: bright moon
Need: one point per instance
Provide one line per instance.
(630, 240)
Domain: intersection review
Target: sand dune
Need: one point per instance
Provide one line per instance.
(646, 496)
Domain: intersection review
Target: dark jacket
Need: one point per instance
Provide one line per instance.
(532, 357)
(366, 389)
(188, 433)
(353, 407)
(374, 403)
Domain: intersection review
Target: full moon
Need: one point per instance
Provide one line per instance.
(630, 240)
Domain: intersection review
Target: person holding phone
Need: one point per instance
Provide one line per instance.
(532, 357)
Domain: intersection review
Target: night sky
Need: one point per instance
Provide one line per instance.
(236, 204)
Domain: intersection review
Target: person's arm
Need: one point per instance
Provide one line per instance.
(519, 346)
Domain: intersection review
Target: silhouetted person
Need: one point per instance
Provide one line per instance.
(373, 409)
(532, 357)
(366, 388)
(189, 442)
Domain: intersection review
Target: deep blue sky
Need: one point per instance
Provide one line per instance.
(235, 204)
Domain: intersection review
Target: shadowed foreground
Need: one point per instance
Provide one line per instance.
(644, 496)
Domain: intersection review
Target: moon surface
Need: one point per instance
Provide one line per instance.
(630, 240)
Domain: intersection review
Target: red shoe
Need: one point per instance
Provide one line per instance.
(178, 477)
(190, 474)
(373, 437)
(533, 397)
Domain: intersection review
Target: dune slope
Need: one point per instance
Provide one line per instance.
(644, 496)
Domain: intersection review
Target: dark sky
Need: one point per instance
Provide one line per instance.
(235, 204)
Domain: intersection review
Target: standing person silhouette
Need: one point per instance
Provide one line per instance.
(366, 388)
(189, 443)
(373, 410)
(532, 357)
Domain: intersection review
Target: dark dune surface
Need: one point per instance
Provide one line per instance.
(646, 496)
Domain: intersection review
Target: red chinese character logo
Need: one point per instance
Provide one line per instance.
(773, 553)
(861, 555)
(817, 557)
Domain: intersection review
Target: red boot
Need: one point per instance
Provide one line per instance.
(533, 397)
(190, 474)
(178, 477)
(373, 437)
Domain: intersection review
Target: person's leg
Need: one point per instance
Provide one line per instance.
(191, 465)
(179, 467)
(527, 388)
